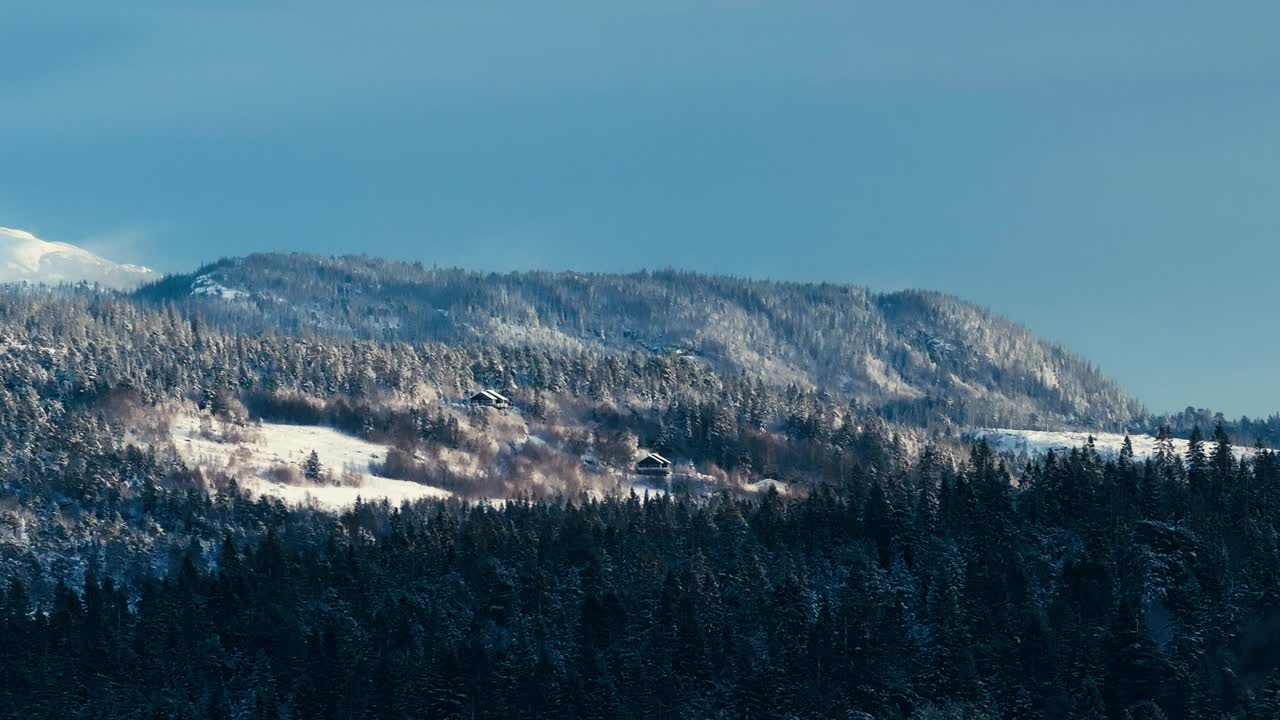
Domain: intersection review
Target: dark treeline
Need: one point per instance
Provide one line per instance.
(1089, 589)
(1264, 430)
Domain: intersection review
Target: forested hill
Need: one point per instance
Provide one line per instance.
(913, 355)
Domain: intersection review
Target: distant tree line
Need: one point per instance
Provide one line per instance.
(1253, 430)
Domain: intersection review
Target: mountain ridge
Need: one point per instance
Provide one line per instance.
(916, 354)
(24, 257)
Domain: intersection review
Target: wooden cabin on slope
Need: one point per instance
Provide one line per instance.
(491, 398)
(653, 464)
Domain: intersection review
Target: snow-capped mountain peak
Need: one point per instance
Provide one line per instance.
(27, 258)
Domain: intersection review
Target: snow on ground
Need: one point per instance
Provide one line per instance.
(251, 454)
(1034, 442)
(26, 258)
(205, 285)
(268, 459)
(764, 486)
(341, 497)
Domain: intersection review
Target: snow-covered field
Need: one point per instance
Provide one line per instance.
(1033, 442)
(253, 452)
(507, 458)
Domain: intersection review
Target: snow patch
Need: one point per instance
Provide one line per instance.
(205, 285)
(1038, 442)
(251, 454)
(1047, 376)
(764, 486)
(886, 378)
(341, 497)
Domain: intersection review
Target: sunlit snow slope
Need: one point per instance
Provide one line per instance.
(26, 258)
(1033, 442)
(262, 449)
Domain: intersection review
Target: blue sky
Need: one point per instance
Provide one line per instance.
(1106, 173)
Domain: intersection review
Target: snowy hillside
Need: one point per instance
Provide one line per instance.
(204, 285)
(269, 459)
(26, 258)
(921, 357)
(261, 455)
(1036, 442)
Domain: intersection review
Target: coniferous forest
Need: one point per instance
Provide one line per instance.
(410, 360)
(822, 553)
(1093, 589)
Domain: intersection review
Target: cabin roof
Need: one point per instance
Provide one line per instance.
(656, 458)
(492, 395)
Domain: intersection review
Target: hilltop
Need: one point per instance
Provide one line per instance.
(915, 356)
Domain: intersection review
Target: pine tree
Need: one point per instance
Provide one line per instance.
(311, 467)
(1222, 480)
(1197, 464)
(1136, 670)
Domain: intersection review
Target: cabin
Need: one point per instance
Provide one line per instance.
(653, 464)
(491, 398)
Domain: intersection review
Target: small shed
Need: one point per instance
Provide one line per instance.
(653, 464)
(491, 398)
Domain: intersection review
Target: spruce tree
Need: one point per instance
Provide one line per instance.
(311, 467)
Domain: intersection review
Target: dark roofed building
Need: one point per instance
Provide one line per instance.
(653, 464)
(490, 398)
